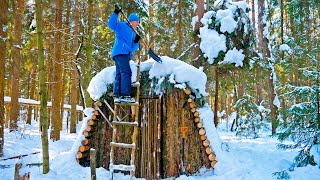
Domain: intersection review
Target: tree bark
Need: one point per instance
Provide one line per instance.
(74, 75)
(179, 27)
(88, 74)
(263, 46)
(3, 44)
(16, 58)
(32, 91)
(197, 60)
(58, 81)
(152, 30)
(66, 65)
(43, 89)
(216, 98)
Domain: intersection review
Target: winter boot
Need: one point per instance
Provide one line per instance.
(117, 99)
(127, 99)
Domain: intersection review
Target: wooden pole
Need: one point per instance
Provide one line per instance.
(93, 164)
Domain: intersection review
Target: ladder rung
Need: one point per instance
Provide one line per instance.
(125, 123)
(124, 145)
(122, 167)
(127, 104)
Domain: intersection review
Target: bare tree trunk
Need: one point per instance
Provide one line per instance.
(74, 74)
(216, 97)
(58, 69)
(3, 44)
(179, 27)
(43, 89)
(16, 58)
(152, 31)
(66, 65)
(197, 60)
(88, 74)
(258, 72)
(32, 92)
(263, 42)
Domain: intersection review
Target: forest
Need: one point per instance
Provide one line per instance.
(260, 57)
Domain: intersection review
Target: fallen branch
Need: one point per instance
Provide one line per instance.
(20, 156)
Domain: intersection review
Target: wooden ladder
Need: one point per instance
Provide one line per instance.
(117, 121)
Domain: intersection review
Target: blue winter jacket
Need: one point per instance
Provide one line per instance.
(123, 43)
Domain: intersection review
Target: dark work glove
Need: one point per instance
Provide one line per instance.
(136, 39)
(117, 10)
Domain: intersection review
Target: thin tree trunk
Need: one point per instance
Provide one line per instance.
(16, 58)
(152, 31)
(58, 69)
(3, 44)
(43, 89)
(88, 74)
(32, 92)
(66, 66)
(216, 97)
(179, 27)
(263, 42)
(74, 75)
(258, 72)
(197, 60)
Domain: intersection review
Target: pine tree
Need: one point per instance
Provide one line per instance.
(3, 45)
(300, 49)
(43, 89)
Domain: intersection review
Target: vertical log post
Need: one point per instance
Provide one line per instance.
(93, 164)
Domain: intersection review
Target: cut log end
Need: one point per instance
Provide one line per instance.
(213, 163)
(197, 119)
(192, 105)
(206, 143)
(96, 113)
(187, 91)
(196, 114)
(200, 125)
(91, 122)
(84, 148)
(89, 128)
(202, 131)
(203, 137)
(99, 103)
(85, 142)
(208, 151)
(212, 157)
(81, 155)
(86, 134)
(190, 100)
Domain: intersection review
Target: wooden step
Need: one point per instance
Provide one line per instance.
(122, 167)
(125, 123)
(123, 145)
(127, 104)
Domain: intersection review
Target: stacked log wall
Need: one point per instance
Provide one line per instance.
(175, 107)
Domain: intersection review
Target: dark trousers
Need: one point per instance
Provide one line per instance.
(122, 83)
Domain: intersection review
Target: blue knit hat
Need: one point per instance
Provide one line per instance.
(134, 17)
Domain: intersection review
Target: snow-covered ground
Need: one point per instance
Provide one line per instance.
(253, 158)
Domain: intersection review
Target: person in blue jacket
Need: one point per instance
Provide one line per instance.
(125, 44)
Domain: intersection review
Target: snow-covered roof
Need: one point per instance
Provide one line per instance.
(178, 73)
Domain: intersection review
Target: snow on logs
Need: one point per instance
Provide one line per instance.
(202, 132)
(84, 149)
